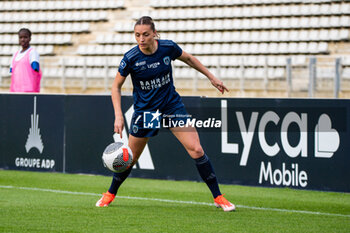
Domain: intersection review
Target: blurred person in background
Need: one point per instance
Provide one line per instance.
(25, 67)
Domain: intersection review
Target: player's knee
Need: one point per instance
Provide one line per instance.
(196, 151)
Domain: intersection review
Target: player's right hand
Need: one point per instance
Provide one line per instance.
(119, 125)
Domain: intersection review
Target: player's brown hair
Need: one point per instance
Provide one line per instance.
(146, 20)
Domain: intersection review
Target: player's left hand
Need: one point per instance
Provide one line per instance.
(218, 84)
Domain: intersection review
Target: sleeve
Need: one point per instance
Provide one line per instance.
(34, 60)
(124, 67)
(13, 57)
(34, 56)
(35, 66)
(176, 52)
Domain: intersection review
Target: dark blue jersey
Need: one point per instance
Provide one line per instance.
(152, 76)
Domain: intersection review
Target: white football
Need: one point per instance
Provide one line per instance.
(117, 157)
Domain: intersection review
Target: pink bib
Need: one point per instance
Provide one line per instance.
(24, 78)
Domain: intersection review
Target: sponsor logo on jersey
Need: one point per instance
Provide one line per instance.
(153, 65)
(140, 63)
(155, 83)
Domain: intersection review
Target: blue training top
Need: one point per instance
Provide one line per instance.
(152, 77)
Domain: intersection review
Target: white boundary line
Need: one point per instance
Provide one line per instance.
(177, 201)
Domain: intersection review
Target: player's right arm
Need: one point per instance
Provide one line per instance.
(116, 99)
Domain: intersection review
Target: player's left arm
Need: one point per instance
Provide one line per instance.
(196, 64)
(35, 66)
(34, 58)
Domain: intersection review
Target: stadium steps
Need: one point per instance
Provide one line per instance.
(94, 30)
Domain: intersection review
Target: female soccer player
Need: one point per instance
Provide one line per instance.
(149, 64)
(25, 68)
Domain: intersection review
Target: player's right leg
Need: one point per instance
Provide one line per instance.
(136, 145)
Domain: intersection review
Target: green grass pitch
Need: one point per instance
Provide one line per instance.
(55, 202)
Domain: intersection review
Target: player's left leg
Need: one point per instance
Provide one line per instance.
(188, 136)
(136, 145)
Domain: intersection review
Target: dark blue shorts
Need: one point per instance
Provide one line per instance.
(147, 124)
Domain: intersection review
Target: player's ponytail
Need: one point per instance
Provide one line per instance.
(147, 20)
